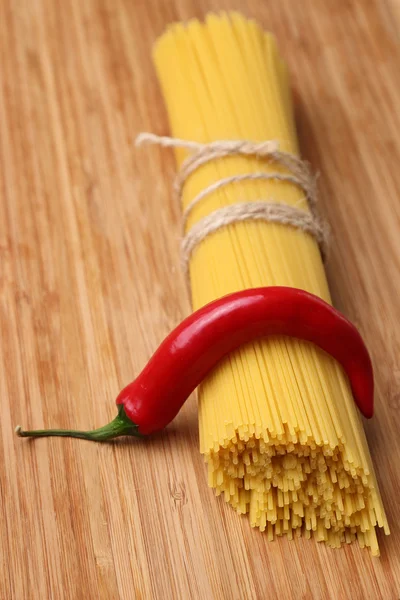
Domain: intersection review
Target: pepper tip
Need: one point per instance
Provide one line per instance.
(18, 431)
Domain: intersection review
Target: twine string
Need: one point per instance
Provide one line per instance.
(273, 212)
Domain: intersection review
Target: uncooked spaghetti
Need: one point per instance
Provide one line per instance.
(279, 428)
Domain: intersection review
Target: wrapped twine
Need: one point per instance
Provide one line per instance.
(298, 174)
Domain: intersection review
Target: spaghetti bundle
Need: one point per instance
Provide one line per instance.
(279, 428)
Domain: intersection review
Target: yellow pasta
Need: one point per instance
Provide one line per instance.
(278, 425)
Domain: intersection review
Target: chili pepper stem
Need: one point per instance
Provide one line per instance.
(121, 425)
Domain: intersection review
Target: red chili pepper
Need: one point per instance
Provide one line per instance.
(191, 350)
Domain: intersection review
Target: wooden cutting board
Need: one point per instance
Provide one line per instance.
(90, 284)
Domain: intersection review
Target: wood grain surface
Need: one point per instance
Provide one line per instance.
(90, 284)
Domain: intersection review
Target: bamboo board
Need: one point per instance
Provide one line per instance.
(90, 284)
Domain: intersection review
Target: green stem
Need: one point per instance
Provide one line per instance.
(121, 425)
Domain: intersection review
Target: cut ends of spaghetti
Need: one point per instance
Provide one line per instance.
(294, 488)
